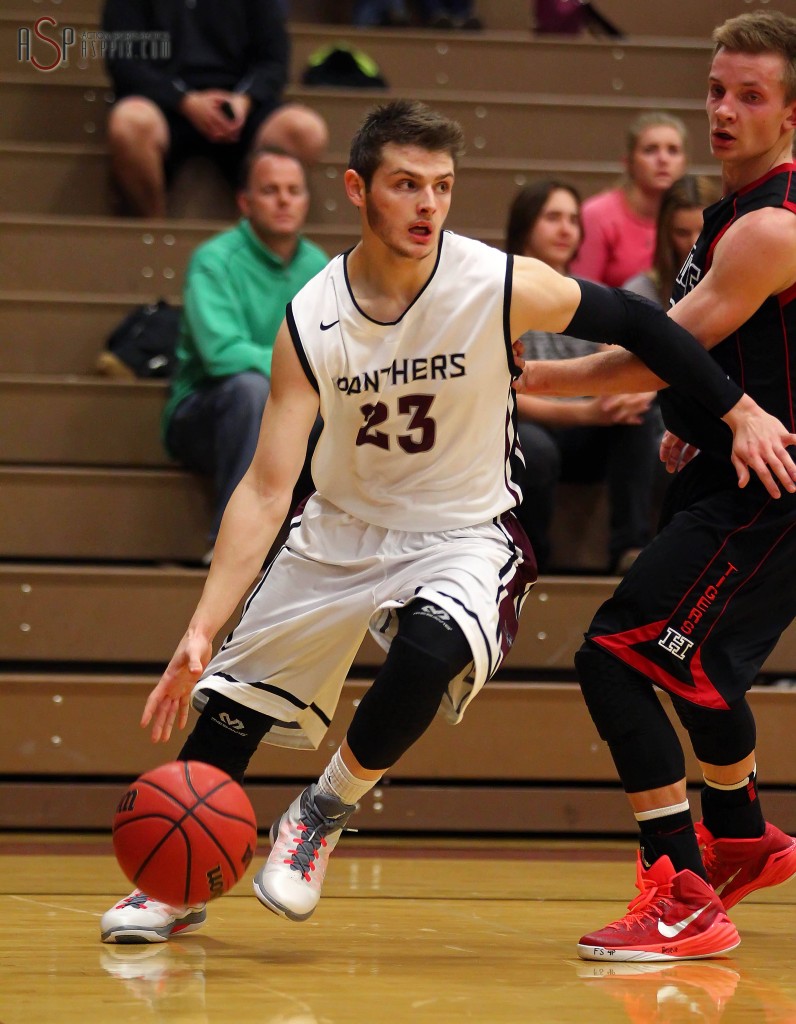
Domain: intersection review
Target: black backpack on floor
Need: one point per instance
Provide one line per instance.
(144, 343)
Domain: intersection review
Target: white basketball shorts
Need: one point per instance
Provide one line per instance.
(335, 578)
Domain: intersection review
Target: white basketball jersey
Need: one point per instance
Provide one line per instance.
(419, 415)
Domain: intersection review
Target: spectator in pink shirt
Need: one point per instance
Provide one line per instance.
(619, 225)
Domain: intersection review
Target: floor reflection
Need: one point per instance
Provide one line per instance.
(689, 991)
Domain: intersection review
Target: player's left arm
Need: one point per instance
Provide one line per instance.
(759, 439)
(542, 299)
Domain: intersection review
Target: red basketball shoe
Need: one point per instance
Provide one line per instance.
(737, 867)
(676, 917)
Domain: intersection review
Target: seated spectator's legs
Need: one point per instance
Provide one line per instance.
(147, 145)
(295, 128)
(625, 457)
(379, 12)
(631, 471)
(542, 470)
(138, 139)
(214, 432)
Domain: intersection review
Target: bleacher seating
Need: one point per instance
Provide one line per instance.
(100, 534)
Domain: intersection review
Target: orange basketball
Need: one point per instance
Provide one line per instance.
(184, 833)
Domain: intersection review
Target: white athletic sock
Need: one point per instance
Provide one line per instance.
(337, 780)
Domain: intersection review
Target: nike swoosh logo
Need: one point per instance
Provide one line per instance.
(328, 327)
(720, 888)
(671, 931)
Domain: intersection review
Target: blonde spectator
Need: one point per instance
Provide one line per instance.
(619, 225)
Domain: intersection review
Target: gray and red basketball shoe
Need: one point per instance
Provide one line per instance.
(138, 918)
(289, 883)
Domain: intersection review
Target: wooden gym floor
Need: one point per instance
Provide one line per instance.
(418, 931)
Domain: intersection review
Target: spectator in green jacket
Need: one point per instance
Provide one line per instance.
(236, 289)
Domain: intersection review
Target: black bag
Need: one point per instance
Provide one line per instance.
(144, 343)
(343, 66)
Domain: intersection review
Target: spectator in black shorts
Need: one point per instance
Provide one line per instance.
(217, 92)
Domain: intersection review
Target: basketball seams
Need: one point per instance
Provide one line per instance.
(175, 827)
(191, 817)
(202, 801)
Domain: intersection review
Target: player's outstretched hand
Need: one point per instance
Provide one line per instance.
(675, 453)
(760, 444)
(170, 699)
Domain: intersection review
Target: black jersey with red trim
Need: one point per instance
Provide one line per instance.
(761, 354)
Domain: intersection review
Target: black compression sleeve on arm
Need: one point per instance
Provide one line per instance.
(620, 317)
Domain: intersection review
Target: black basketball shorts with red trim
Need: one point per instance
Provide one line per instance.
(705, 603)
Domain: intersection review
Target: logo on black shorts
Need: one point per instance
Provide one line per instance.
(675, 643)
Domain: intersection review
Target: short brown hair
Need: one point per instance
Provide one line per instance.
(762, 32)
(254, 156)
(405, 123)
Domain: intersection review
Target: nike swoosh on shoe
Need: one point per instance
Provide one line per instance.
(720, 888)
(671, 931)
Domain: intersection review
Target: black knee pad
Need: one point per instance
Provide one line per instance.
(226, 734)
(608, 687)
(431, 629)
(429, 651)
(718, 736)
(630, 718)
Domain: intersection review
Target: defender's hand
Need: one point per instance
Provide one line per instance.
(759, 443)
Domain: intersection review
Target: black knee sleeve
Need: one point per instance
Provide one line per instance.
(429, 651)
(630, 718)
(718, 736)
(226, 735)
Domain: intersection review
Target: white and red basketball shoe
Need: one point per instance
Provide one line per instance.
(139, 918)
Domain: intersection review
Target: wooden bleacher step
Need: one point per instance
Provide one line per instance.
(88, 422)
(96, 514)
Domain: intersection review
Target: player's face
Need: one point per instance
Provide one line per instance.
(556, 235)
(658, 159)
(409, 198)
(686, 225)
(276, 199)
(746, 108)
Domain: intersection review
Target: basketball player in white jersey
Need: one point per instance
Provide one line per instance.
(404, 344)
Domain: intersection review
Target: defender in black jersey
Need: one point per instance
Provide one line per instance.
(706, 602)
